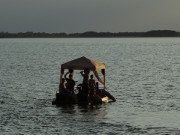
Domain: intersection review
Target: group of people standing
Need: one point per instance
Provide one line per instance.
(88, 85)
(87, 91)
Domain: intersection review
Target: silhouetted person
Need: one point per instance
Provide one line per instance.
(85, 79)
(85, 76)
(70, 82)
(92, 85)
(85, 86)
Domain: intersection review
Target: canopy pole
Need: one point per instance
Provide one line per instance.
(104, 78)
(71, 71)
(62, 72)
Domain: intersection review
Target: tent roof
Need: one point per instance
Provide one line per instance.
(83, 63)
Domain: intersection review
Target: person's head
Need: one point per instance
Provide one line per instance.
(63, 80)
(91, 76)
(70, 70)
(86, 71)
(70, 76)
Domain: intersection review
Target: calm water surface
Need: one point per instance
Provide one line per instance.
(142, 73)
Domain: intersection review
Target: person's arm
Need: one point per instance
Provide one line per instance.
(82, 73)
(66, 75)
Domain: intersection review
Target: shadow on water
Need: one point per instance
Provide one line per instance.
(80, 108)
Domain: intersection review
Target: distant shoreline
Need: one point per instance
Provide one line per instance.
(92, 34)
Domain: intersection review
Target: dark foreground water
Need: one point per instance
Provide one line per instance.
(142, 73)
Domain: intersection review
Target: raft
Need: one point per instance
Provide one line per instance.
(84, 64)
(64, 98)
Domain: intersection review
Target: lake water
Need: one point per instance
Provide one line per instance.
(143, 74)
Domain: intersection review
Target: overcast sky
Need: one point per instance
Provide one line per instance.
(89, 15)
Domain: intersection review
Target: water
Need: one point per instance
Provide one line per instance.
(142, 73)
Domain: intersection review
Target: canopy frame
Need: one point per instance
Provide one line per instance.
(82, 64)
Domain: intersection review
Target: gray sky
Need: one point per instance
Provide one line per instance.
(89, 15)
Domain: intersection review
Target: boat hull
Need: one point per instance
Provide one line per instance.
(64, 98)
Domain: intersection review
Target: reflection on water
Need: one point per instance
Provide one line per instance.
(142, 73)
(86, 111)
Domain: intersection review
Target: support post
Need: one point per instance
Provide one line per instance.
(62, 72)
(71, 71)
(104, 78)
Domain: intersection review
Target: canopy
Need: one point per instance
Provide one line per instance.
(83, 63)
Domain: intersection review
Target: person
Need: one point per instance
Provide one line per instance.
(85, 76)
(70, 82)
(92, 85)
(95, 98)
(99, 92)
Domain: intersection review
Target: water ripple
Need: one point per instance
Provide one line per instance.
(142, 73)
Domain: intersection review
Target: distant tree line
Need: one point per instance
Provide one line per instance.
(153, 33)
